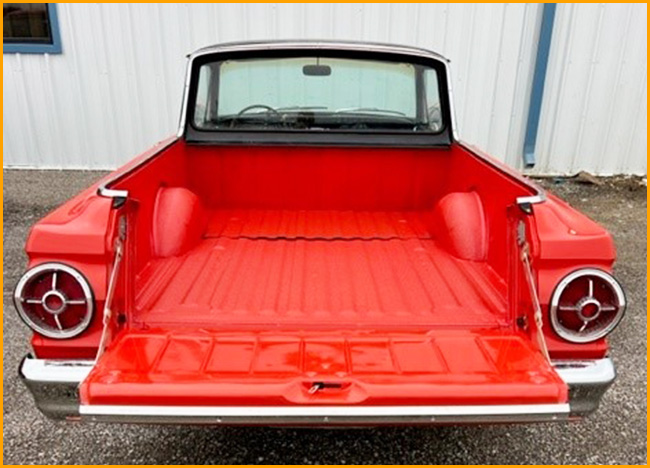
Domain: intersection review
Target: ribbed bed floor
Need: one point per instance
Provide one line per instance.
(330, 269)
(321, 224)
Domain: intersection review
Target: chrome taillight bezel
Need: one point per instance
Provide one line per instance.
(88, 300)
(572, 335)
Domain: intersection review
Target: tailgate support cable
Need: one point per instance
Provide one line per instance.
(108, 313)
(530, 280)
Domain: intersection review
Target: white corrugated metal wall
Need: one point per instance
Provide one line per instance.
(594, 114)
(116, 89)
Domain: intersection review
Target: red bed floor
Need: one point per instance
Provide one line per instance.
(324, 224)
(315, 269)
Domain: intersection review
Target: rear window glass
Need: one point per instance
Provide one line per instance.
(299, 93)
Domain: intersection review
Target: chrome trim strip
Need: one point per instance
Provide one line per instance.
(309, 45)
(317, 44)
(452, 105)
(52, 370)
(325, 414)
(102, 191)
(539, 197)
(186, 97)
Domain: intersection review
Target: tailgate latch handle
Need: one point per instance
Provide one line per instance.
(318, 386)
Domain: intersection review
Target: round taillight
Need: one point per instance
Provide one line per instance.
(54, 300)
(587, 305)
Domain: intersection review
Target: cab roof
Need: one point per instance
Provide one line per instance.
(316, 45)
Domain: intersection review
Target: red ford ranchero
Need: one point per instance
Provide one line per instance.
(316, 247)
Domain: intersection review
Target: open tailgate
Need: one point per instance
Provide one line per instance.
(209, 373)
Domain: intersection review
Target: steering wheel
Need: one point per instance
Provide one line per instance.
(251, 107)
(257, 106)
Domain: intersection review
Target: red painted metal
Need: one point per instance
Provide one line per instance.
(201, 367)
(179, 221)
(463, 236)
(320, 284)
(299, 254)
(319, 224)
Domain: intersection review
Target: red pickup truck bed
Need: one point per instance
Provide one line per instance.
(274, 270)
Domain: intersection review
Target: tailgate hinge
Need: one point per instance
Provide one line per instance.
(530, 280)
(108, 313)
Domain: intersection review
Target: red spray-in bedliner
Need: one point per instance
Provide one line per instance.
(318, 224)
(320, 283)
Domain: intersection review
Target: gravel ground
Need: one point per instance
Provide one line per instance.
(615, 434)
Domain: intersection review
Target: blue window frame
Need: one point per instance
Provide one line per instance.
(30, 28)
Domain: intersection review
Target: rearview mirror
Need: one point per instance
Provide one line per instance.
(317, 70)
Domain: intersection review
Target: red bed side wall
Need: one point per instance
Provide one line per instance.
(80, 233)
(169, 169)
(497, 192)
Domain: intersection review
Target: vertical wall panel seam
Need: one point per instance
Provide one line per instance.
(76, 70)
(562, 89)
(585, 103)
(613, 96)
(137, 107)
(24, 93)
(496, 79)
(131, 90)
(468, 62)
(163, 72)
(112, 146)
(50, 124)
(418, 15)
(22, 139)
(513, 112)
(641, 103)
(446, 35)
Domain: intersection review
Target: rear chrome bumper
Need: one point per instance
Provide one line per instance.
(587, 382)
(54, 385)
